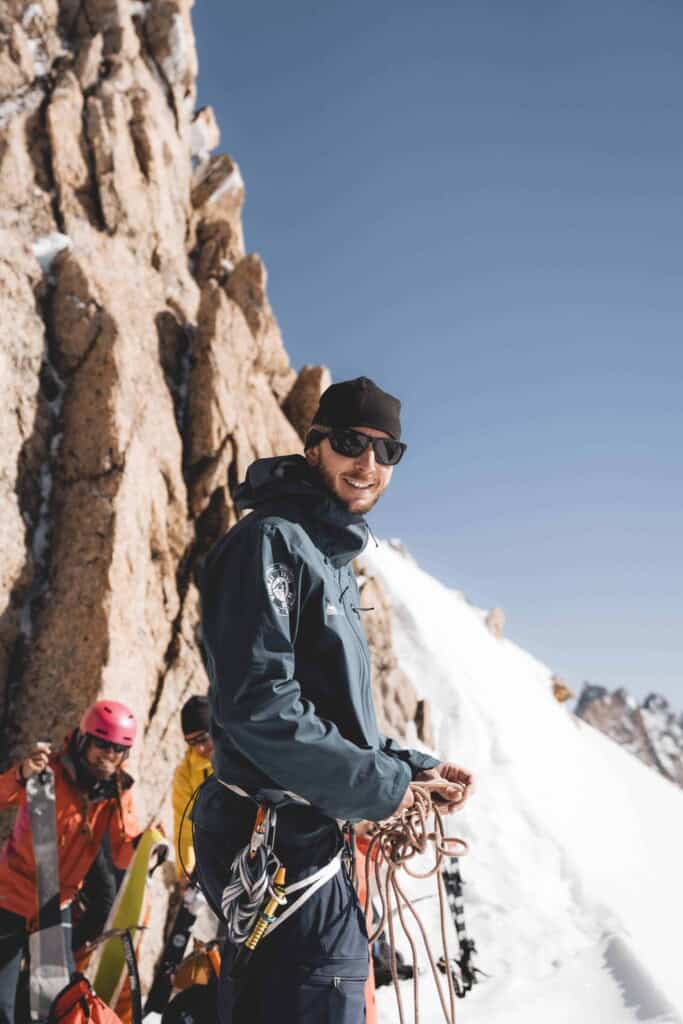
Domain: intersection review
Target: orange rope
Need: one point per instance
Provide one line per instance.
(393, 844)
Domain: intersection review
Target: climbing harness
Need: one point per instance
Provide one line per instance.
(256, 888)
(463, 972)
(251, 878)
(393, 843)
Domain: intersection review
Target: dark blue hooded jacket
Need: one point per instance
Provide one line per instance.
(287, 655)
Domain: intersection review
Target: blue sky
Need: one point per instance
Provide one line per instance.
(480, 205)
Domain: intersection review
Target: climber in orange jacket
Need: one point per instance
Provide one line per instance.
(92, 798)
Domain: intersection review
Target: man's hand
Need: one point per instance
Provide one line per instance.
(36, 762)
(449, 798)
(407, 801)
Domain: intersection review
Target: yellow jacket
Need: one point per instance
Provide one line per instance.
(189, 774)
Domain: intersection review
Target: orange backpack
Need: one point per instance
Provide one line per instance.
(78, 1003)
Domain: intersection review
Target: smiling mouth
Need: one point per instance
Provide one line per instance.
(357, 485)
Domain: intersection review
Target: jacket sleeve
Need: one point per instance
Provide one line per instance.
(123, 831)
(258, 705)
(415, 759)
(11, 790)
(182, 840)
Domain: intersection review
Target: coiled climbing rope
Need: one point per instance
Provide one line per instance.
(251, 879)
(393, 844)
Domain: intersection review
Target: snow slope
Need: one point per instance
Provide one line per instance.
(574, 882)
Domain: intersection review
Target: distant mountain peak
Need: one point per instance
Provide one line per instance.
(651, 730)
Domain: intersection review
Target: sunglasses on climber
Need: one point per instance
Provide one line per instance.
(352, 443)
(117, 748)
(196, 739)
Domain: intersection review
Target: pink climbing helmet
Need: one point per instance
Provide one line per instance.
(111, 721)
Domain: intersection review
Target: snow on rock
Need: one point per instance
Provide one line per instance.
(47, 248)
(231, 185)
(31, 12)
(204, 134)
(25, 99)
(573, 883)
(176, 61)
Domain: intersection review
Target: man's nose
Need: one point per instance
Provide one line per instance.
(367, 458)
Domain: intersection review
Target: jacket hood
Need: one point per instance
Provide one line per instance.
(288, 486)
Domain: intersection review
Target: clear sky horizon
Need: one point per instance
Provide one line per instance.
(480, 205)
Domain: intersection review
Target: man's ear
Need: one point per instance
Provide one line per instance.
(312, 456)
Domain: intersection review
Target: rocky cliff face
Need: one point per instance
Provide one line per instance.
(142, 365)
(142, 370)
(652, 731)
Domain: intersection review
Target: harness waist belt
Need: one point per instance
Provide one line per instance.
(311, 883)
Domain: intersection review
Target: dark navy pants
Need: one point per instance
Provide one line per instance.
(313, 969)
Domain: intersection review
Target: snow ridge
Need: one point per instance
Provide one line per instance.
(574, 889)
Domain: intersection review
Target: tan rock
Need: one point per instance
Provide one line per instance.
(89, 61)
(224, 354)
(226, 391)
(495, 622)
(84, 19)
(424, 721)
(22, 428)
(247, 286)
(168, 34)
(218, 179)
(561, 692)
(219, 248)
(76, 192)
(302, 401)
(120, 521)
(16, 61)
(24, 171)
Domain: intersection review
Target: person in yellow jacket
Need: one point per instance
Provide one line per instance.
(194, 768)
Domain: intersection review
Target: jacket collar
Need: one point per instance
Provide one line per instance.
(289, 487)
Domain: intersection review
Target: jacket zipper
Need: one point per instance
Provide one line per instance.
(356, 628)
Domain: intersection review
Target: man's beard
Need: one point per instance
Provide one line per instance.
(328, 480)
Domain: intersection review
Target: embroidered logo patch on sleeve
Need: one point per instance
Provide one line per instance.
(280, 583)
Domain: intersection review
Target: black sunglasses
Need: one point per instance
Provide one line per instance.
(196, 741)
(352, 443)
(101, 744)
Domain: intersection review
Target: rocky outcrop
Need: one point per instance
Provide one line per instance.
(651, 731)
(495, 622)
(561, 692)
(302, 401)
(142, 370)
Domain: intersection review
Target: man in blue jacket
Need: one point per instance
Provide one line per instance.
(293, 722)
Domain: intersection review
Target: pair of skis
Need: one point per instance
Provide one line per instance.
(50, 946)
